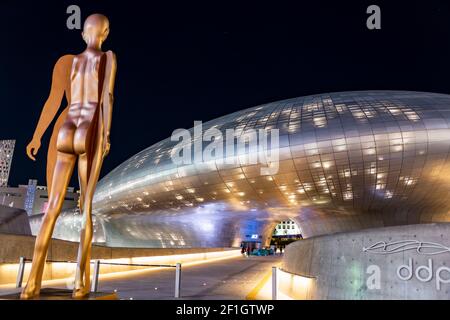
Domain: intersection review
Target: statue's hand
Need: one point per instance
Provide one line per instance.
(106, 147)
(33, 148)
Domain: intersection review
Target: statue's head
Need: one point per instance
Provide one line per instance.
(95, 30)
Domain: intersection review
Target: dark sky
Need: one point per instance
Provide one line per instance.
(186, 61)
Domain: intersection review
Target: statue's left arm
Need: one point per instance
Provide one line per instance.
(108, 98)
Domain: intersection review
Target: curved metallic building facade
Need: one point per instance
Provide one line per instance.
(347, 161)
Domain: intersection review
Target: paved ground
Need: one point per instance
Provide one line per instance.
(232, 278)
(227, 279)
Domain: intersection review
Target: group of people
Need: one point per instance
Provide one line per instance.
(247, 249)
(278, 247)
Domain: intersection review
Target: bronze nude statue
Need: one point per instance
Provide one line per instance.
(81, 132)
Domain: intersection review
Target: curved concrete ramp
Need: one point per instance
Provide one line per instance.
(406, 262)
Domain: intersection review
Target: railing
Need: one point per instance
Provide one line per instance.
(96, 273)
(274, 283)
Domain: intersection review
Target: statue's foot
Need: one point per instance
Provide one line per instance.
(80, 293)
(29, 292)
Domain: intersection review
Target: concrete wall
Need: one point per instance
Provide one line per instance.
(405, 262)
(15, 246)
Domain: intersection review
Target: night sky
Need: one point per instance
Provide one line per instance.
(200, 60)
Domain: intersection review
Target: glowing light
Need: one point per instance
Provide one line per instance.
(320, 122)
(369, 151)
(340, 148)
(347, 195)
(317, 164)
(327, 165)
(411, 115)
(290, 287)
(408, 181)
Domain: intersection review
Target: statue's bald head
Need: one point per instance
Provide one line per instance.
(96, 29)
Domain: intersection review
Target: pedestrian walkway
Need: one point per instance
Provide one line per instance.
(229, 279)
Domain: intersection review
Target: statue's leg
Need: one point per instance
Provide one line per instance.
(83, 175)
(82, 280)
(52, 149)
(63, 171)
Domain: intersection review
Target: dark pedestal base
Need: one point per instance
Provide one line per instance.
(62, 294)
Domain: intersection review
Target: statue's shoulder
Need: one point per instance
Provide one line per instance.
(64, 62)
(65, 59)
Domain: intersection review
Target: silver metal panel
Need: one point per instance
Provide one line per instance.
(348, 160)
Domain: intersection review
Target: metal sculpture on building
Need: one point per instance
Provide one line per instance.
(81, 133)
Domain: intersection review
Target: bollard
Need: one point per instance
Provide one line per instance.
(274, 283)
(178, 281)
(20, 272)
(94, 285)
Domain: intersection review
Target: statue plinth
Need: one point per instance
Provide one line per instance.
(62, 294)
